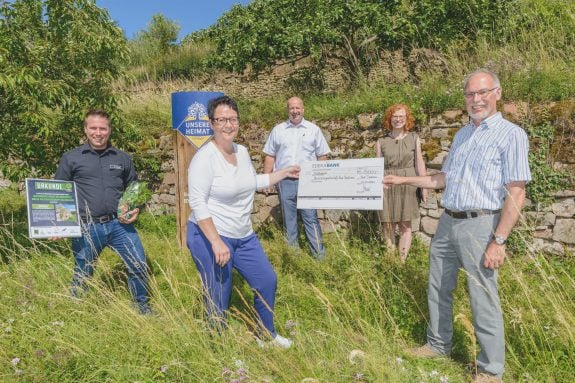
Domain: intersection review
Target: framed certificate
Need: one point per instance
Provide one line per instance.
(355, 184)
(52, 208)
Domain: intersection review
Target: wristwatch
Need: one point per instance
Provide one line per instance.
(500, 240)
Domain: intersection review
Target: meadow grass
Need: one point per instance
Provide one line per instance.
(350, 317)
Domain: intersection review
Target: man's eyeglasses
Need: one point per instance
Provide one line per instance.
(481, 93)
(222, 121)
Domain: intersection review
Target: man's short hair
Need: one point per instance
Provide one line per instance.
(493, 75)
(222, 100)
(96, 113)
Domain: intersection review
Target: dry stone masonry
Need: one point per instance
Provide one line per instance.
(552, 228)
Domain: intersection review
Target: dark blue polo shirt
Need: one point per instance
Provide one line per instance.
(100, 178)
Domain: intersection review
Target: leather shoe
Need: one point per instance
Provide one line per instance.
(424, 352)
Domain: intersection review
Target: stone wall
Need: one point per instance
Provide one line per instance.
(552, 228)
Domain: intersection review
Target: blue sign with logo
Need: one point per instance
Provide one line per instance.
(190, 115)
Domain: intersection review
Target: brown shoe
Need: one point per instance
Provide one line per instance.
(484, 377)
(424, 352)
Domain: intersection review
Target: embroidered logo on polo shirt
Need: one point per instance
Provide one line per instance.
(116, 167)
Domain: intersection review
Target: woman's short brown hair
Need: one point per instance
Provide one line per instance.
(409, 120)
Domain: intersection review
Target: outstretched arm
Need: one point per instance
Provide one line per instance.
(434, 181)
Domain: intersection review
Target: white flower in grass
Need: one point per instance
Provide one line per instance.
(15, 361)
(398, 360)
(58, 323)
(240, 364)
(444, 379)
(164, 369)
(433, 373)
(356, 356)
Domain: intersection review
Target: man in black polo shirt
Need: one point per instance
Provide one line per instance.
(101, 173)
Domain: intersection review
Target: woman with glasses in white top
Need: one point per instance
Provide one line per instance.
(221, 186)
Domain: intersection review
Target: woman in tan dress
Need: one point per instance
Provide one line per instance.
(403, 157)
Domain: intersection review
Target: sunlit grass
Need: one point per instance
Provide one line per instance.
(359, 298)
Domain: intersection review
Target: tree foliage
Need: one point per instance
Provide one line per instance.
(161, 35)
(265, 31)
(57, 59)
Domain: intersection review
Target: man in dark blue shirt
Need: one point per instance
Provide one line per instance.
(101, 173)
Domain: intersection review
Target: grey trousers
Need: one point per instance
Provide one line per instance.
(461, 243)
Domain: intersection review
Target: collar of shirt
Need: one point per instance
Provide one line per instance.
(302, 124)
(490, 122)
(87, 148)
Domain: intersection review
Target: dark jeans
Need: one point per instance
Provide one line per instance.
(124, 240)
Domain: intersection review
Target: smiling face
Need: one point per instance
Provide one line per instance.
(295, 110)
(97, 129)
(225, 124)
(481, 96)
(399, 119)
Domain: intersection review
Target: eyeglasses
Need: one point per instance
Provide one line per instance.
(222, 121)
(398, 117)
(481, 93)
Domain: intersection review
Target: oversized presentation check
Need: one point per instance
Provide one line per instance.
(341, 184)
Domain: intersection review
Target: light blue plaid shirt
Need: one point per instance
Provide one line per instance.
(481, 161)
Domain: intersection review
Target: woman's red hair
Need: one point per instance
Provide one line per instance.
(409, 120)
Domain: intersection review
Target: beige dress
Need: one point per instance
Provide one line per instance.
(400, 201)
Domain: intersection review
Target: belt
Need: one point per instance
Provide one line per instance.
(101, 219)
(470, 213)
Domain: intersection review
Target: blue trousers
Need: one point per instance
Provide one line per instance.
(288, 199)
(122, 239)
(249, 259)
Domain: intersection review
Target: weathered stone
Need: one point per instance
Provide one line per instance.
(161, 209)
(541, 218)
(439, 159)
(564, 230)
(435, 213)
(422, 211)
(336, 215)
(260, 215)
(366, 120)
(429, 225)
(432, 200)
(544, 233)
(166, 143)
(452, 115)
(426, 239)
(541, 245)
(440, 133)
(273, 200)
(565, 208)
(327, 226)
(168, 166)
(170, 179)
(4, 183)
(167, 199)
(415, 224)
(445, 144)
(564, 194)
(515, 111)
(259, 200)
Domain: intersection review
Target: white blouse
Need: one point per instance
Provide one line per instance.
(222, 191)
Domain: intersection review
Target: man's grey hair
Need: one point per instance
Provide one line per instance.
(482, 71)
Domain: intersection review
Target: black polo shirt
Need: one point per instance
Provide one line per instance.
(100, 178)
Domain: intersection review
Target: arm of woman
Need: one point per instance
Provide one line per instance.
(277, 176)
(220, 249)
(378, 149)
(200, 179)
(420, 165)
